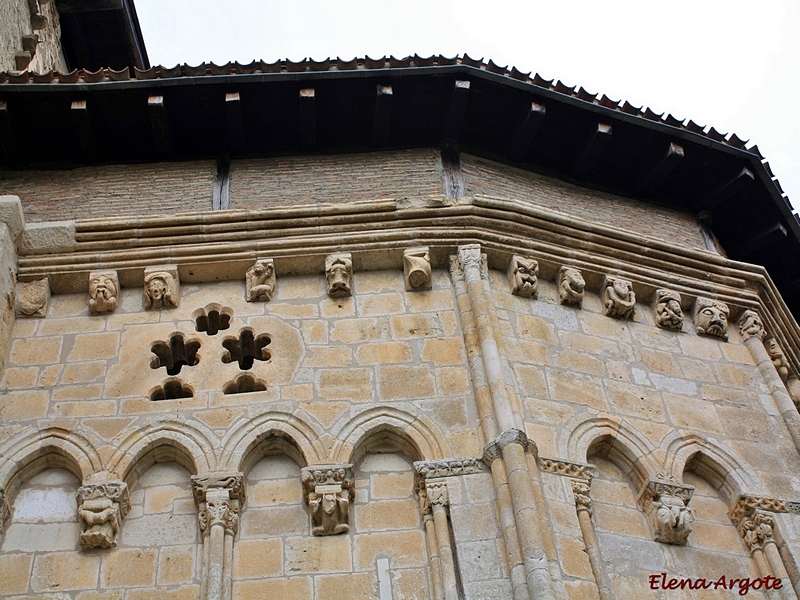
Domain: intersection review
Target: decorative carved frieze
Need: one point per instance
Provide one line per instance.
(580, 489)
(161, 287)
(750, 325)
(523, 276)
(568, 469)
(665, 503)
(339, 274)
(260, 281)
(32, 298)
(778, 358)
(329, 490)
(103, 292)
(668, 310)
(451, 467)
(711, 318)
(101, 507)
(417, 269)
(494, 449)
(756, 530)
(570, 286)
(219, 498)
(618, 297)
(746, 505)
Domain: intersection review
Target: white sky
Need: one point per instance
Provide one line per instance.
(730, 64)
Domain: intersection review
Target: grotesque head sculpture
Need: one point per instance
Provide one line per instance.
(570, 286)
(668, 310)
(339, 274)
(523, 276)
(260, 281)
(618, 297)
(711, 318)
(103, 292)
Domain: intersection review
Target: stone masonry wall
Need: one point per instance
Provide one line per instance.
(15, 21)
(112, 190)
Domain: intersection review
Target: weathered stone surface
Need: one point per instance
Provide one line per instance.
(45, 238)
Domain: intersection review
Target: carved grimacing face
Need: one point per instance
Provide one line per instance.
(526, 274)
(157, 288)
(103, 287)
(575, 280)
(713, 320)
(338, 277)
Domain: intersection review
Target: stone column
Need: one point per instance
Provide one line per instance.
(219, 497)
(101, 507)
(439, 501)
(756, 530)
(583, 506)
(752, 331)
(434, 562)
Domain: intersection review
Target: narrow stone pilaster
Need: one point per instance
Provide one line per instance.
(583, 506)
(439, 500)
(328, 491)
(752, 331)
(219, 498)
(5, 512)
(101, 507)
(434, 562)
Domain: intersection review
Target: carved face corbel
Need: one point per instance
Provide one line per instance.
(668, 310)
(666, 505)
(103, 292)
(618, 297)
(329, 490)
(711, 318)
(523, 276)
(778, 358)
(339, 274)
(260, 280)
(32, 298)
(417, 269)
(161, 287)
(570, 286)
(101, 508)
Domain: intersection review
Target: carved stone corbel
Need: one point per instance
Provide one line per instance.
(523, 276)
(668, 310)
(618, 297)
(101, 507)
(417, 269)
(328, 491)
(103, 292)
(571, 286)
(751, 325)
(778, 358)
(32, 298)
(339, 274)
(161, 287)
(711, 318)
(665, 502)
(260, 280)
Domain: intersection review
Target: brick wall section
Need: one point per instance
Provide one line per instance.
(260, 183)
(492, 179)
(112, 190)
(15, 21)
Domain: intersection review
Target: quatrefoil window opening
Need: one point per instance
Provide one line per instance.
(247, 348)
(212, 319)
(175, 354)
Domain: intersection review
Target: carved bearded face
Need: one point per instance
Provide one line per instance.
(712, 319)
(103, 288)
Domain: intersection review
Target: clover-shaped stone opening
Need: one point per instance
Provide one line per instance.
(244, 384)
(172, 389)
(175, 354)
(212, 319)
(247, 348)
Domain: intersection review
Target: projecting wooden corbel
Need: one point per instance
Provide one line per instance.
(84, 130)
(233, 114)
(383, 115)
(530, 125)
(458, 106)
(160, 125)
(592, 149)
(308, 120)
(662, 168)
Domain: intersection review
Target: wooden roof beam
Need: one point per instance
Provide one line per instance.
(662, 168)
(383, 115)
(308, 119)
(726, 189)
(7, 139)
(763, 238)
(530, 125)
(458, 106)
(233, 114)
(592, 148)
(160, 124)
(84, 130)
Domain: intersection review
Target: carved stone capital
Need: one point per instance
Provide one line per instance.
(339, 274)
(103, 292)
(417, 269)
(618, 297)
(101, 508)
(582, 500)
(469, 255)
(668, 310)
(571, 286)
(494, 449)
(32, 299)
(436, 492)
(328, 490)
(750, 326)
(711, 318)
(233, 482)
(746, 505)
(161, 287)
(568, 469)
(757, 530)
(778, 358)
(260, 281)
(219, 497)
(523, 276)
(665, 502)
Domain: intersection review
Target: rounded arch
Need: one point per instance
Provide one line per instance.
(164, 441)
(710, 460)
(418, 436)
(270, 433)
(50, 448)
(614, 440)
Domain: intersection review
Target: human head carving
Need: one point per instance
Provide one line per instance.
(103, 292)
(618, 297)
(523, 276)
(161, 288)
(417, 269)
(339, 274)
(711, 318)
(570, 286)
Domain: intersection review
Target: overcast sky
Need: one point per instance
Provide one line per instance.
(731, 64)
